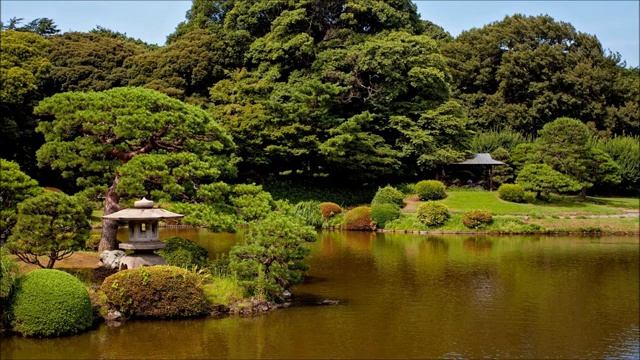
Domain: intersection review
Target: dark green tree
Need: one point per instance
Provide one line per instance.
(93, 136)
(15, 187)
(272, 259)
(543, 180)
(525, 71)
(52, 225)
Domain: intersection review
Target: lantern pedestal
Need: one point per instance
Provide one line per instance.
(143, 233)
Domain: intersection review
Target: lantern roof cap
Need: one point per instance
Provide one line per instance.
(143, 210)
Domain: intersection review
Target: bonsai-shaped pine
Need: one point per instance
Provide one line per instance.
(130, 142)
(51, 225)
(272, 259)
(543, 180)
(15, 186)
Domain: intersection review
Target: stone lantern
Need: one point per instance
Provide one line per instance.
(143, 233)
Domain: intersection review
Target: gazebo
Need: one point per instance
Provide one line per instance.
(483, 160)
(143, 233)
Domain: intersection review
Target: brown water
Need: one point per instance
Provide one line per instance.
(407, 296)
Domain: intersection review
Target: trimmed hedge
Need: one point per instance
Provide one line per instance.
(329, 210)
(382, 213)
(430, 190)
(358, 218)
(157, 292)
(477, 219)
(511, 192)
(50, 303)
(388, 195)
(432, 213)
(184, 253)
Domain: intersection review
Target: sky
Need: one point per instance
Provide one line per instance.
(615, 23)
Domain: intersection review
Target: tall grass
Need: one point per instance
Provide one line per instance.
(488, 141)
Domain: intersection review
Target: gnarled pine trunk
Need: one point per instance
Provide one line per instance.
(110, 227)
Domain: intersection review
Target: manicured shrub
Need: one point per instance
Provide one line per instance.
(184, 253)
(544, 180)
(477, 219)
(529, 197)
(430, 190)
(382, 213)
(251, 202)
(157, 292)
(358, 218)
(15, 187)
(511, 192)
(329, 210)
(309, 213)
(432, 213)
(388, 195)
(50, 303)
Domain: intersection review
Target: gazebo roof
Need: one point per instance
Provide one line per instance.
(481, 159)
(143, 210)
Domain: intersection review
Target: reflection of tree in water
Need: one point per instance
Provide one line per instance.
(478, 245)
(437, 244)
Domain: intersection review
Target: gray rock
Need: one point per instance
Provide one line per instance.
(114, 315)
(286, 294)
(138, 260)
(110, 259)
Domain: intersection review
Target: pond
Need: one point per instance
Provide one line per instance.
(407, 296)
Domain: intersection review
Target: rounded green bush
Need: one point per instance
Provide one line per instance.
(477, 219)
(430, 190)
(358, 218)
(388, 195)
(511, 192)
(50, 303)
(383, 213)
(184, 253)
(432, 213)
(157, 292)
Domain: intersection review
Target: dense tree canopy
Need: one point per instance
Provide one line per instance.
(94, 135)
(15, 186)
(523, 72)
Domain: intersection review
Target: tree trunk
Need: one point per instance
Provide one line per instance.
(583, 194)
(110, 227)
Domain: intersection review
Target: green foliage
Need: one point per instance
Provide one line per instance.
(157, 292)
(358, 218)
(8, 275)
(15, 186)
(309, 212)
(50, 303)
(272, 259)
(625, 151)
(430, 190)
(24, 70)
(205, 215)
(503, 173)
(477, 219)
(565, 145)
(95, 135)
(251, 202)
(51, 224)
(329, 210)
(490, 141)
(388, 195)
(432, 214)
(543, 180)
(382, 213)
(340, 193)
(524, 71)
(223, 290)
(90, 61)
(511, 192)
(184, 253)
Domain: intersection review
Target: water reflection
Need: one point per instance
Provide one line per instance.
(410, 296)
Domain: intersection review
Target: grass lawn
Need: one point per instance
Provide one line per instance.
(462, 201)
